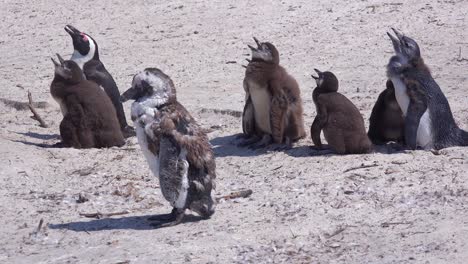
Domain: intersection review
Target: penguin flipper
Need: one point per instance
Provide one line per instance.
(248, 117)
(188, 135)
(416, 108)
(96, 72)
(319, 122)
(279, 107)
(73, 128)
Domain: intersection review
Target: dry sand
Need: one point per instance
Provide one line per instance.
(405, 207)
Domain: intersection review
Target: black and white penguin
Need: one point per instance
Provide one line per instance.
(176, 147)
(86, 55)
(429, 122)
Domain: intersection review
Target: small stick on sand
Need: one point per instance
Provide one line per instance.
(35, 116)
(234, 195)
(99, 215)
(41, 222)
(361, 167)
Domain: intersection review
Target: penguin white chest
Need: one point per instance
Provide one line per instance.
(261, 100)
(424, 133)
(152, 159)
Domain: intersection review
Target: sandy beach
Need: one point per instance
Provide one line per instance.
(385, 207)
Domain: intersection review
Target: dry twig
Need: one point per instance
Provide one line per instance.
(35, 116)
(234, 195)
(99, 215)
(362, 166)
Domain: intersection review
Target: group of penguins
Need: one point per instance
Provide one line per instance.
(412, 111)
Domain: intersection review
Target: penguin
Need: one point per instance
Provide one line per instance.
(429, 123)
(86, 55)
(89, 118)
(342, 124)
(175, 146)
(386, 122)
(273, 110)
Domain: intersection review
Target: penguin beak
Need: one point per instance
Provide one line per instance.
(56, 64)
(252, 48)
(60, 59)
(259, 45)
(72, 31)
(319, 73)
(127, 95)
(396, 41)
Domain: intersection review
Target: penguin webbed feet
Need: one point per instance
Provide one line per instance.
(175, 217)
(128, 131)
(262, 143)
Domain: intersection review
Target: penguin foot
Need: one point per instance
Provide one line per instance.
(266, 140)
(280, 147)
(128, 131)
(164, 217)
(177, 220)
(247, 141)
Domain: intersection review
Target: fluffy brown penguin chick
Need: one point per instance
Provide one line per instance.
(273, 105)
(89, 118)
(175, 146)
(342, 124)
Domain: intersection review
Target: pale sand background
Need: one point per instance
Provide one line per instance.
(411, 207)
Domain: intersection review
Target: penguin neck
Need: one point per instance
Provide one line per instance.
(80, 59)
(156, 101)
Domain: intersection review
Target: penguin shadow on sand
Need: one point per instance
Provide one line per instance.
(141, 222)
(226, 146)
(44, 137)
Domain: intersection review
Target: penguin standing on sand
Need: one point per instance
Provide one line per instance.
(176, 148)
(386, 122)
(342, 124)
(429, 122)
(89, 119)
(86, 55)
(273, 108)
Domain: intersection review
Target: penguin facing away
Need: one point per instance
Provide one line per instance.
(386, 122)
(86, 55)
(273, 108)
(340, 120)
(175, 146)
(429, 122)
(89, 119)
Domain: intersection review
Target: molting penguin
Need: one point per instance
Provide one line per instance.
(89, 118)
(342, 124)
(176, 148)
(429, 122)
(386, 122)
(86, 55)
(273, 107)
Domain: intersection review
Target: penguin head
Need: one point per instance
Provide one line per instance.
(84, 45)
(405, 46)
(265, 51)
(67, 70)
(326, 81)
(151, 84)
